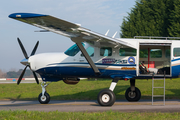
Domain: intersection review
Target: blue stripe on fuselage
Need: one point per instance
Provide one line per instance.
(78, 63)
(69, 71)
(175, 60)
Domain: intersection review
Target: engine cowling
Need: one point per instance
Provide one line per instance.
(71, 81)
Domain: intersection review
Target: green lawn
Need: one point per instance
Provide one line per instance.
(108, 115)
(86, 90)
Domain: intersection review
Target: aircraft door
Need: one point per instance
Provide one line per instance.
(154, 58)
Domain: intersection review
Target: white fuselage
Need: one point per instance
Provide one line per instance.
(116, 62)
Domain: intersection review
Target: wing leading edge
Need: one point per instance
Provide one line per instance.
(68, 29)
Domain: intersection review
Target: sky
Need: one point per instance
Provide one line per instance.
(96, 15)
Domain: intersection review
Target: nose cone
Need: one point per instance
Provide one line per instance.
(24, 62)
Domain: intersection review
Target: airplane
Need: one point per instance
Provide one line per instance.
(96, 55)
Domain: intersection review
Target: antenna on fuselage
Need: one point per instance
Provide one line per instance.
(107, 33)
(114, 34)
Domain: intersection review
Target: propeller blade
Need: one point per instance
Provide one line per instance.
(35, 48)
(35, 76)
(22, 48)
(21, 76)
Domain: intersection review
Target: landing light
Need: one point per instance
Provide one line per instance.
(18, 16)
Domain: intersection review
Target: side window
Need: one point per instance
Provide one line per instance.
(176, 52)
(168, 53)
(106, 51)
(156, 53)
(127, 52)
(90, 51)
(143, 53)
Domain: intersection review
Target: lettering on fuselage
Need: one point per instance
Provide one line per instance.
(113, 61)
(108, 61)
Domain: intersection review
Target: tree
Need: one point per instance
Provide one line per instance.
(14, 74)
(2, 74)
(174, 29)
(152, 18)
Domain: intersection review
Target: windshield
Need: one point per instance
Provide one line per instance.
(73, 50)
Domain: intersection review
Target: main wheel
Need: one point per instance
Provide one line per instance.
(44, 99)
(133, 96)
(106, 97)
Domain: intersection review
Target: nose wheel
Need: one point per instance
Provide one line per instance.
(44, 97)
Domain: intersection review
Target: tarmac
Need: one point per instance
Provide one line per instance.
(92, 106)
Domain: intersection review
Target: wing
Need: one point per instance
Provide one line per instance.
(68, 29)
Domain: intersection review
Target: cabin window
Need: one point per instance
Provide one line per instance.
(90, 51)
(73, 50)
(127, 52)
(168, 53)
(156, 53)
(176, 52)
(105, 51)
(143, 53)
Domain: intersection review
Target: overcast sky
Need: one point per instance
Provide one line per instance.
(96, 15)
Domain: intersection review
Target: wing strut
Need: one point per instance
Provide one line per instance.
(84, 52)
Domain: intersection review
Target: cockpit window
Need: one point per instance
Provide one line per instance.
(73, 50)
(90, 51)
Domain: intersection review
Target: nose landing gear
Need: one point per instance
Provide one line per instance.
(44, 97)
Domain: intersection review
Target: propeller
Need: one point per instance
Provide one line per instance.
(25, 61)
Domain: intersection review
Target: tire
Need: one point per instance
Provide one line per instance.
(106, 97)
(44, 100)
(134, 97)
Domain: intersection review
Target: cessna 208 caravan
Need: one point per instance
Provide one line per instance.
(98, 56)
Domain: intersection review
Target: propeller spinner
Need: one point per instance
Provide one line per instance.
(25, 61)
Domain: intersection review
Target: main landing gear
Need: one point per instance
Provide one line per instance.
(44, 97)
(107, 97)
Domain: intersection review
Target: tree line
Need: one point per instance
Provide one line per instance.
(152, 18)
(15, 74)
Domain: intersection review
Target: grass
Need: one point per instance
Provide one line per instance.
(86, 90)
(108, 115)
